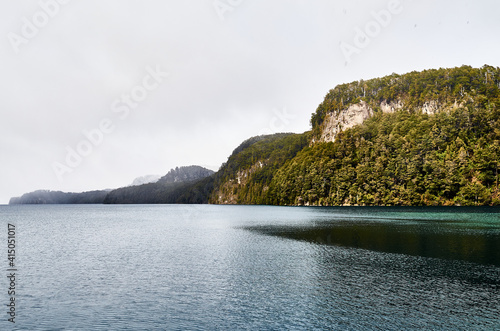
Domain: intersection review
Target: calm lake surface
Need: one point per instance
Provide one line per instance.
(176, 267)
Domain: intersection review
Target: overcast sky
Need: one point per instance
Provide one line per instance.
(163, 83)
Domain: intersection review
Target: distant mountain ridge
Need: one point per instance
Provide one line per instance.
(166, 190)
(58, 197)
(178, 175)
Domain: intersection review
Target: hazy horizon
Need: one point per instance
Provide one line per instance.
(97, 94)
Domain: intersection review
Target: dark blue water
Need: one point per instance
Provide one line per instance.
(253, 267)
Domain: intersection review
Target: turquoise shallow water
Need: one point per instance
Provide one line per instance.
(173, 267)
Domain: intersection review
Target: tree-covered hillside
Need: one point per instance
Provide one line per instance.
(401, 157)
(245, 177)
(451, 158)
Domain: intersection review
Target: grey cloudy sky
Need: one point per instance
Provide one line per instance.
(236, 69)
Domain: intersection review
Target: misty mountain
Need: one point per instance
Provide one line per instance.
(58, 197)
(145, 180)
(156, 192)
(185, 174)
(167, 189)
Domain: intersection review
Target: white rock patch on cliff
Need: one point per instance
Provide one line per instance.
(391, 107)
(430, 107)
(358, 113)
(345, 119)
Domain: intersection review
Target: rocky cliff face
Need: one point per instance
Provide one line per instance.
(345, 119)
(357, 113)
(391, 107)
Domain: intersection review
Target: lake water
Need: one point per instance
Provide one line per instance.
(176, 267)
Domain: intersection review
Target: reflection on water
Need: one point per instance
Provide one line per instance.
(471, 235)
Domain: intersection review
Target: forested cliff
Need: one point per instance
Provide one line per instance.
(422, 138)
